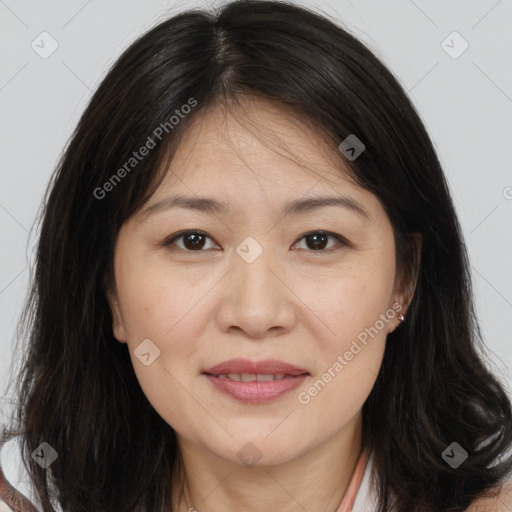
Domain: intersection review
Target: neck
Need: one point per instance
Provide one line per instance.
(315, 480)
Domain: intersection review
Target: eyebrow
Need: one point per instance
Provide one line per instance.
(214, 206)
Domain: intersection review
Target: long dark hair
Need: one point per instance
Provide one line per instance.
(77, 389)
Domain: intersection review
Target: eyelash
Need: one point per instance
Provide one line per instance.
(168, 242)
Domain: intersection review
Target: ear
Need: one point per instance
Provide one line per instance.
(118, 328)
(407, 277)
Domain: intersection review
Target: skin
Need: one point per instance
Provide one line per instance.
(292, 303)
(500, 501)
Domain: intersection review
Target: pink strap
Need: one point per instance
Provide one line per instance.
(355, 482)
(16, 501)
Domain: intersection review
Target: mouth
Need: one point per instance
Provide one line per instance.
(255, 381)
(246, 367)
(251, 377)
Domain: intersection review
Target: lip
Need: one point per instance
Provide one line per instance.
(255, 391)
(247, 366)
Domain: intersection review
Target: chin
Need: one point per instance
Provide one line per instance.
(258, 450)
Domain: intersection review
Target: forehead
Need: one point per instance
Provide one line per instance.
(255, 143)
(255, 156)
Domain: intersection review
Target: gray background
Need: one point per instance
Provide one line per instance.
(465, 102)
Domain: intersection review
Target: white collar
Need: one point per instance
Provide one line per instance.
(366, 500)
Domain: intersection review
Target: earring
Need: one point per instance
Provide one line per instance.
(401, 318)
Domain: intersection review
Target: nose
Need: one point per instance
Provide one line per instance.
(257, 300)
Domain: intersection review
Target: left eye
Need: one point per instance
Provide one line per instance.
(194, 240)
(319, 239)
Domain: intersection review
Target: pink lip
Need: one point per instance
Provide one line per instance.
(247, 366)
(254, 391)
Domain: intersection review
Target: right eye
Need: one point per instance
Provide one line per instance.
(193, 241)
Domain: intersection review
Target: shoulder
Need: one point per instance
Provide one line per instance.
(14, 481)
(500, 501)
(11, 500)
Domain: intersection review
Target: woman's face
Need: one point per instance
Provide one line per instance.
(253, 287)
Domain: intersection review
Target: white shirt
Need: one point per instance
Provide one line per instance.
(366, 501)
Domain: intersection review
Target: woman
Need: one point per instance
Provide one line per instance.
(252, 291)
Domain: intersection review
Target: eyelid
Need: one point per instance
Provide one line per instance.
(168, 242)
(342, 241)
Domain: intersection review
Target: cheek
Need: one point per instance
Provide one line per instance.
(357, 314)
(165, 307)
(157, 306)
(156, 300)
(350, 352)
(354, 299)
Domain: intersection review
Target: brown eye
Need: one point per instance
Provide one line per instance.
(318, 240)
(192, 241)
(195, 241)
